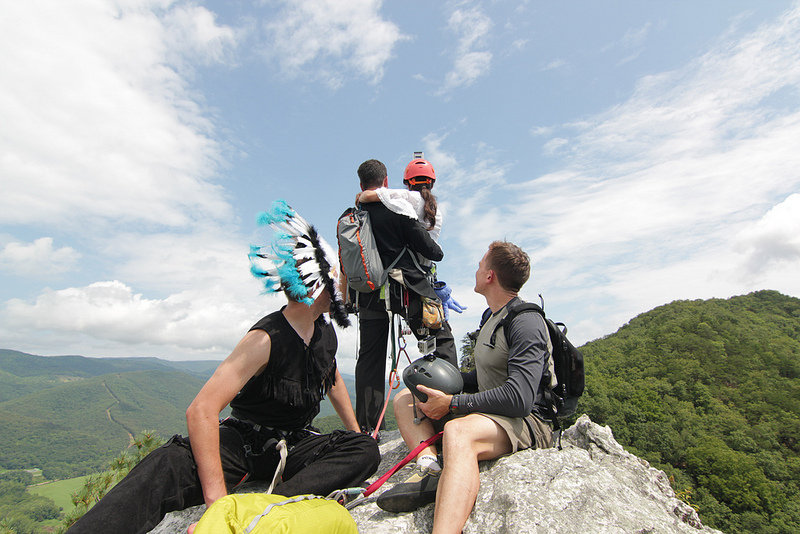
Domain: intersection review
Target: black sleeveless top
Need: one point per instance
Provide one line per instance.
(286, 395)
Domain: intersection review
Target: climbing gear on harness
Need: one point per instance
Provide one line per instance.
(297, 260)
(394, 381)
(432, 313)
(419, 171)
(260, 441)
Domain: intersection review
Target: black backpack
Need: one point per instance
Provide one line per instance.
(567, 364)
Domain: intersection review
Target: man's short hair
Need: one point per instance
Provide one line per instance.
(371, 173)
(510, 263)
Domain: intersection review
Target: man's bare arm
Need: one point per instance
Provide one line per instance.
(367, 196)
(202, 417)
(340, 399)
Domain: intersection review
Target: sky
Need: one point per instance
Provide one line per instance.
(640, 152)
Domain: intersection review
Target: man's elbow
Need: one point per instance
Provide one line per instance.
(197, 411)
(520, 407)
(191, 413)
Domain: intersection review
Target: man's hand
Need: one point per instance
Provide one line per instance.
(438, 404)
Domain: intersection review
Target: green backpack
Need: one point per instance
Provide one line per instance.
(262, 513)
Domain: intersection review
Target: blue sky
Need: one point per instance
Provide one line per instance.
(641, 152)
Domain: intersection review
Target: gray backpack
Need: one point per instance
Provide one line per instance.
(358, 253)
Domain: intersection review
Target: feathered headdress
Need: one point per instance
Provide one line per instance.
(297, 260)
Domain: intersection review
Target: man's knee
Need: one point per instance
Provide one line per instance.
(401, 400)
(459, 434)
(363, 449)
(172, 458)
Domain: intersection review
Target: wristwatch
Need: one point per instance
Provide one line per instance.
(453, 405)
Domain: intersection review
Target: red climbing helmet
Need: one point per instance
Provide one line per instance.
(419, 171)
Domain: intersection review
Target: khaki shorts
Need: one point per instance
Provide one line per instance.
(518, 430)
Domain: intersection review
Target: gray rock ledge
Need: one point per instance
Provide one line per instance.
(592, 486)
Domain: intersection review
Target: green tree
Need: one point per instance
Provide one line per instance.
(98, 485)
(709, 392)
(468, 351)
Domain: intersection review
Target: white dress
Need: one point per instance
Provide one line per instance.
(410, 204)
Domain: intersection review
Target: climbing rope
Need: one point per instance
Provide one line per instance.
(394, 378)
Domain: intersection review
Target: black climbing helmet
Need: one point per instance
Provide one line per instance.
(432, 372)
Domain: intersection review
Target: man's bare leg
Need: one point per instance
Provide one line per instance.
(466, 440)
(412, 434)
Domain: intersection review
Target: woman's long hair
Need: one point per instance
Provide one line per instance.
(430, 203)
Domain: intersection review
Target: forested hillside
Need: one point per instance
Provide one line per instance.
(74, 422)
(70, 414)
(709, 391)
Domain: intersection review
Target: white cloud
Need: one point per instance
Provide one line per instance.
(167, 262)
(39, 258)
(683, 191)
(200, 320)
(472, 60)
(662, 185)
(98, 124)
(519, 44)
(775, 238)
(555, 65)
(553, 145)
(332, 39)
(193, 31)
(636, 36)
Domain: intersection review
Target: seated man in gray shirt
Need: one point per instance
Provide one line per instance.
(506, 414)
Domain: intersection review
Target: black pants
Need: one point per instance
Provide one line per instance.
(371, 362)
(166, 479)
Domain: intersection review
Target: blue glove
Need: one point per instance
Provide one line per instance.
(448, 302)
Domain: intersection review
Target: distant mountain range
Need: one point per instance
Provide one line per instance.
(69, 415)
(22, 373)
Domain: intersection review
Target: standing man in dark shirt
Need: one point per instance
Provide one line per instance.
(393, 233)
(274, 380)
(505, 415)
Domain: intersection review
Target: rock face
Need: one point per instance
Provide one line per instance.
(592, 485)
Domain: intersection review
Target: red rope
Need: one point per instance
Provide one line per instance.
(394, 382)
(378, 483)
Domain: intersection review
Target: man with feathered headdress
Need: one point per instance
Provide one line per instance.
(274, 381)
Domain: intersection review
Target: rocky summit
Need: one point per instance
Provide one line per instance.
(591, 485)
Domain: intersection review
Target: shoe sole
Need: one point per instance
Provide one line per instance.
(397, 500)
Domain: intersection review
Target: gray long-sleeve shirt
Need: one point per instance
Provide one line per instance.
(527, 358)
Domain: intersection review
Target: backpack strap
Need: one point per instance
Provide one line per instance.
(513, 310)
(487, 313)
